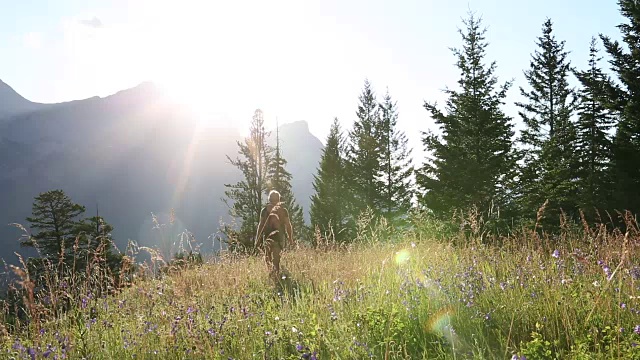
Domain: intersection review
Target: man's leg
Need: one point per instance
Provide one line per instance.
(276, 257)
(268, 254)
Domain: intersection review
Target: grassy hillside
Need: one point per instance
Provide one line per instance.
(417, 297)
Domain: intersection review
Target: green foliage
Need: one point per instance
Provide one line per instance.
(550, 159)
(472, 161)
(363, 155)
(538, 348)
(96, 233)
(594, 142)
(184, 260)
(396, 169)
(279, 179)
(66, 243)
(245, 198)
(329, 202)
(623, 98)
(55, 219)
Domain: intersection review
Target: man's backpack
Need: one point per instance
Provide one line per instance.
(273, 224)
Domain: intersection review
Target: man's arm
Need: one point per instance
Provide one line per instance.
(288, 227)
(258, 241)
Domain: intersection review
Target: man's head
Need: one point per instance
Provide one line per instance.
(274, 197)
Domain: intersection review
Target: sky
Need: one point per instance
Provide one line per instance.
(295, 60)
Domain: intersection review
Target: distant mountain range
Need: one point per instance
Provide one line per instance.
(129, 155)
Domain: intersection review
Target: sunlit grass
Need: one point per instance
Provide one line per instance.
(418, 298)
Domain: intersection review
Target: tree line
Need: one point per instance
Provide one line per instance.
(578, 154)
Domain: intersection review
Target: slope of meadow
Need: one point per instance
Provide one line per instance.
(417, 297)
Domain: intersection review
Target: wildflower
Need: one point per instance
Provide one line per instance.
(18, 346)
(637, 329)
(294, 330)
(299, 347)
(556, 254)
(623, 306)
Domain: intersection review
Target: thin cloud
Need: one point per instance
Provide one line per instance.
(32, 40)
(93, 23)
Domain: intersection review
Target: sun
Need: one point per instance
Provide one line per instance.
(197, 101)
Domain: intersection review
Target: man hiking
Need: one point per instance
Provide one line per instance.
(274, 222)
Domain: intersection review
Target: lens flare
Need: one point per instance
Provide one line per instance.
(440, 324)
(402, 257)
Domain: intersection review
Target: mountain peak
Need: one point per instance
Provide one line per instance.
(7, 92)
(11, 102)
(297, 126)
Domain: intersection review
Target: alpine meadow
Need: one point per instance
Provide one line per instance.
(154, 232)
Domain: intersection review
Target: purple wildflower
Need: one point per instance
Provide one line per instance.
(637, 329)
(32, 353)
(556, 254)
(18, 346)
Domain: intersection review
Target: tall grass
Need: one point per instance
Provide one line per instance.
(395, 295)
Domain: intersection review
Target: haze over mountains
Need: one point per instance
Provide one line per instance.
(130, 154)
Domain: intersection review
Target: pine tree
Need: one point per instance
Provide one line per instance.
(471, 162)
(594, 142)
(279, 179)
(96, 233)
(363, 155)
(624, 100)
(550, 162)
(55, 218)
(245, 198)
(396, 168)
(328, 204)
